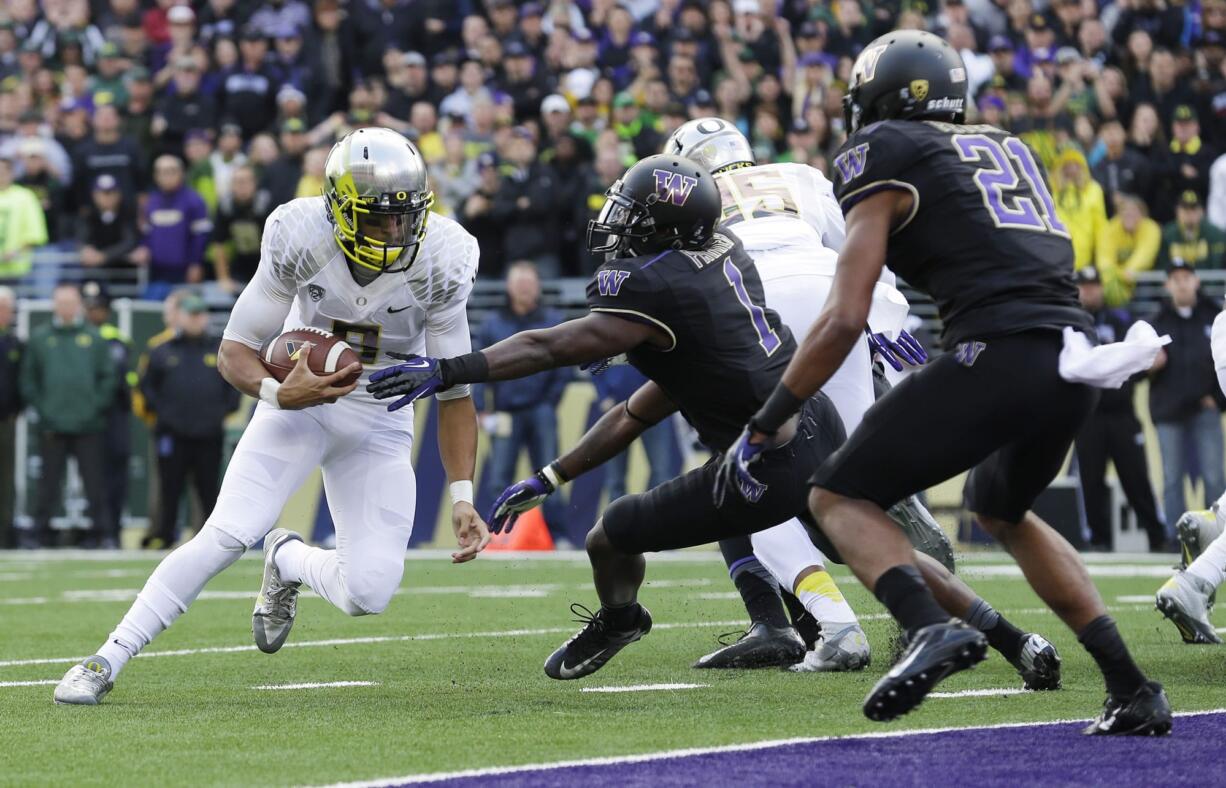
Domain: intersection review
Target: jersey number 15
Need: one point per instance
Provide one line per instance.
(1011, 184)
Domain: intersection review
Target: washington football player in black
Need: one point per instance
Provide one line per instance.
(962, 213)
(684, 302)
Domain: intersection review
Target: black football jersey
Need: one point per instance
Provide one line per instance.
(728, 351)
(983, 239)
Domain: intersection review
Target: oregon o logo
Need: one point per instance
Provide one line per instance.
(402, 196)
(710, 125)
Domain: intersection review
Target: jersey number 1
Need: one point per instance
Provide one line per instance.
(1007, 174)
(767, 337)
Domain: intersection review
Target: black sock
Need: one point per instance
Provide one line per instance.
(622, 616)
(1102, 639)
(1001, 635)
(901, 589)
(760, 593)
(806, 625)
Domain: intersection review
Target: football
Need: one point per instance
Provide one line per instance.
(329, 354)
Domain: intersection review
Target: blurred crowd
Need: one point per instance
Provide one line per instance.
(156, 135)
(146, 141)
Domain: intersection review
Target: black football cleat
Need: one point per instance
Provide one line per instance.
(763, 646)
(1038, 664)
(1145, 713)
(934, 653)
(594, 645)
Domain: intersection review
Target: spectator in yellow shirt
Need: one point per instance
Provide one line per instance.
(23, 225)
(1129, 244)
(1079, 204)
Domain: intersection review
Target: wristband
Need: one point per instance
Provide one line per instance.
(553, 475)
(780, 406)
(461, 492)
(468, 368)
(268, 392)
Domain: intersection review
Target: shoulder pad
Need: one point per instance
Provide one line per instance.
(446, 266)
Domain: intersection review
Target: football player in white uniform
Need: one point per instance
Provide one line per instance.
(790, 223)
(358, 262)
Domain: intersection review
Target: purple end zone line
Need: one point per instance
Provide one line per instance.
(1047, 754)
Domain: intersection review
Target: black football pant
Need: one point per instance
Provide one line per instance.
(179, 457)
(681, 512)
(118, 454)
(88, 450)
(1116, 437)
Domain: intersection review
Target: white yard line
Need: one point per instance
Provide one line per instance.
(508, 633)
(38, 683)
(978, 693)
(1135, 599)
(430, 777)
(644, 687)
(316, 685)
(9, 663)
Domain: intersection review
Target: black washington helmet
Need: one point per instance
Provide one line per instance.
(663, 202)
(906, 75)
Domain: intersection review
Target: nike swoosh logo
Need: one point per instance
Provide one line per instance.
(571, 672)
(391, 311)
(416, 364)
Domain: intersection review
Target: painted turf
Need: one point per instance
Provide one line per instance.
(985, 756)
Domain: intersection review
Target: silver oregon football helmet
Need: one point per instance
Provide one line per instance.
(713, 143)
(378, 198)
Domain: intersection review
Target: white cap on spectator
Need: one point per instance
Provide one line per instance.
(747, 6)
(290, 93)
(181, 15)
(554, 103)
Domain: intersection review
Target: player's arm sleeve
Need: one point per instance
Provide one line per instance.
(447, 332)
(265, 302)
(875, 159)
(832, 230)
(625, 289)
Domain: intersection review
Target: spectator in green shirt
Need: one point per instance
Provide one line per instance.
(23, 225)
(1191, 237)
(68, 378)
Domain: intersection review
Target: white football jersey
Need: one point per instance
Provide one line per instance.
(303, 280)
(785, 211)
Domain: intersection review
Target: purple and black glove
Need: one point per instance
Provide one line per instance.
(734, 470)
(417, 377)
(519, 498)
(906, 350)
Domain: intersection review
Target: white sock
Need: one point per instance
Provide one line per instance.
(824, 601)
(173, 586)
(318, 568)
(1211, 565)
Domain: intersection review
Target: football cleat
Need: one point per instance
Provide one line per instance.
(763, 646)
(1195, 532)
(1038, 664)
(923, 531)
(935, 652)
(594, 645)
(1145, 713)
(1184, 599)
(277, 603)
(85, 684)
(844, 650)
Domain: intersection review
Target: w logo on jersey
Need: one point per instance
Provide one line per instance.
(968, 352)
(609, 283)
(850, 163)
(673, 186)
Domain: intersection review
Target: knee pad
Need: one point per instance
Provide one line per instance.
(370, 591)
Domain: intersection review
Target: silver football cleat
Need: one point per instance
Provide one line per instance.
(923, 531)
(277, 603)
(844, 650)
(1038, 664)
(1184, 599)
(1196, 531)
(85, 684)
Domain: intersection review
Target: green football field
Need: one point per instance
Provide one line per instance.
(450, 677)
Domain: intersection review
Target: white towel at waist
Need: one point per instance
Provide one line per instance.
(1109, 366)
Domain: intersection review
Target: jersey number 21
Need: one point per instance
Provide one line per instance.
(1012, 186)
